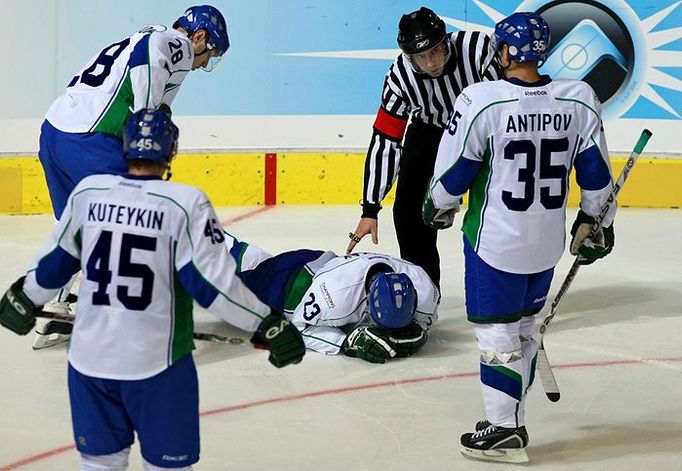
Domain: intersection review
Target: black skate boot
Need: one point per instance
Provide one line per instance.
(481, 424)
(494, 443)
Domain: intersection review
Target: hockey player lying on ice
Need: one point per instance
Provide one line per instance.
(326, 297)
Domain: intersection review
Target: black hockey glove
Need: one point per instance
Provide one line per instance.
(17, 312)
(407, 340)
(590, 250)
(369, 343)
(282, 339)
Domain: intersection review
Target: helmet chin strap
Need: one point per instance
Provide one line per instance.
(497, 57)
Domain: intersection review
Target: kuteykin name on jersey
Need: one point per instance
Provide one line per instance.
(130, 215)
(533, 122)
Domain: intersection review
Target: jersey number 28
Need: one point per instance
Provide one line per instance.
(96, 74)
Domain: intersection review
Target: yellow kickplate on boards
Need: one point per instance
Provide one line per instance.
(11, 190)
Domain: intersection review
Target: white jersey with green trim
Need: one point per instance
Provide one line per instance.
(337, 298)
(147, 247)
(525, 140)
(144, 70)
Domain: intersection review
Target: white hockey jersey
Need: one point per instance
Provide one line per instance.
(513, 147)
(147, 248)
(336, 298)
(144, 70)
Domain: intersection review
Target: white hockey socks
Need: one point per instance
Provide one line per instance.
(504, 373)
(114, 462)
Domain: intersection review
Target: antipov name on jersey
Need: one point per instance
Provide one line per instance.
(534, 122)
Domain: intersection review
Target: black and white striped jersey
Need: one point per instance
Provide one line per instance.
(425, 99)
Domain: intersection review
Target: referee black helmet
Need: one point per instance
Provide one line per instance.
(420, 30)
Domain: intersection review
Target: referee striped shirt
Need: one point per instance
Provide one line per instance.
(425, 99)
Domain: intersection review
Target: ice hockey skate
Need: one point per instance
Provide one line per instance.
(494, 443)
(51, 332)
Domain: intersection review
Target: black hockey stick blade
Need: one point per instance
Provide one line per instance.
(218, 338)
(554, 397)
(197, 335)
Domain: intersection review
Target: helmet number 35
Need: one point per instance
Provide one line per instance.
(538, 46)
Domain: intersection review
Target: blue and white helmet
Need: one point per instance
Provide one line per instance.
(526, 34)
(392, 300)
(150, 134)
(213, 22)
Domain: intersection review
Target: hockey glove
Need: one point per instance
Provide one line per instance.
(437, 218)
(369, 343)
(407, 340)
(282, 339)
(17, 312)
(590, 250)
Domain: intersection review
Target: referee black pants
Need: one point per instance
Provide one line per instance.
(417, 241)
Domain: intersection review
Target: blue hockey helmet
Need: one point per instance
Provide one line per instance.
(392, 300)
(526, 34)
(213, 22)
(150, 134)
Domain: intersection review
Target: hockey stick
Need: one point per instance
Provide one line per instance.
(197, 335)
(543, 366)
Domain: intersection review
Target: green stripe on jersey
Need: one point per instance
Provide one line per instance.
(477, 198)
(114, 118)
(320, 339)
(183, 323)
(296, 287)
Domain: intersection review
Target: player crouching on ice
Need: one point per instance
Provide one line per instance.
(145, 255)
(365, 305)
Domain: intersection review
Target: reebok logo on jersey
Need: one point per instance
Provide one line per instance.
(465, 98)
(532, 93)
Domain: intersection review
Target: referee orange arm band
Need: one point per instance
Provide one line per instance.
(390, 125)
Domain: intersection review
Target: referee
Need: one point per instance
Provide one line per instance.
(422, 84)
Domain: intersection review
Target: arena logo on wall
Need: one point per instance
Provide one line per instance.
(606, 44)
(630, 51)
(590, 43)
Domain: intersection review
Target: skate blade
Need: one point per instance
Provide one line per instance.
(56, 307)
(502, 455)
(46, 341)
